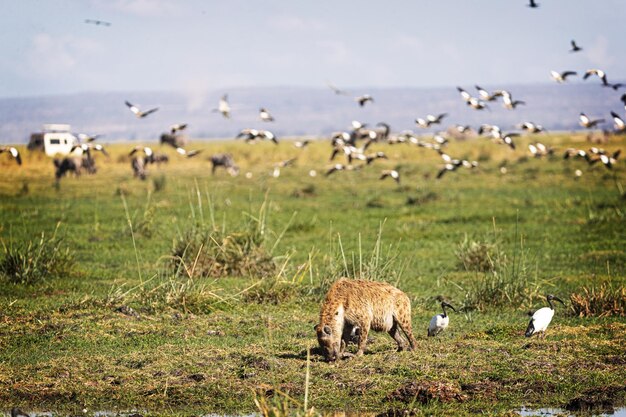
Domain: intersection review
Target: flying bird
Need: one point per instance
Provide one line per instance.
(508, 101)
(83, 137)
(430, 120)
(531, 127)
(575, 48)
(13, 152)
(541, 318)
(588, 123)
(177, 128)
(188, 154)
(87, 147)
(620, 126)
(97, 22)
(137, 112)
(597, 72)
(486, 95)
(392, 173)
(560, 77)
(337, 90)
(364, 99)
(223, 107)
(265, 115)
(609, 160)
(440, 322)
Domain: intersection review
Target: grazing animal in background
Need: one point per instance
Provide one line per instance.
(532, 4)
(541, 318)
(139, 163)
(575, 48)
(137, 112)
(15, 154)
(226, 161)
(174, 140)
(74, 165)
(301, 143)
(439, 322)
(366, 305)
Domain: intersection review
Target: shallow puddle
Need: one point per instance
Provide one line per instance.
(549, 412)
(524, 412)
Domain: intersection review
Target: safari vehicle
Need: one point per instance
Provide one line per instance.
(55, 139)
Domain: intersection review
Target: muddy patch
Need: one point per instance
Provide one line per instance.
(425, 392)
(602, 399)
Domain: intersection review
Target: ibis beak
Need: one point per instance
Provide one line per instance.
(449, 305)
(559, 300)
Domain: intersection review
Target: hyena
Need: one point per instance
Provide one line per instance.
(353, 307)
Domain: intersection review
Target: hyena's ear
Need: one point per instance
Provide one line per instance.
(327, 330)
(316, 327)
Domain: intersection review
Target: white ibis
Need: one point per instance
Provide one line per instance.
(439, 322)
(542, 318)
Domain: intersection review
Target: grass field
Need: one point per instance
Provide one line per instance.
(122, 316)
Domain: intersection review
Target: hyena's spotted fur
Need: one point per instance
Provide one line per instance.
(363, 305)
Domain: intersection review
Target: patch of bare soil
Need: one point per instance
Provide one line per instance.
(426, 391)
(602, 399)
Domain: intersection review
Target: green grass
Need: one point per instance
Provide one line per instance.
(130, 328)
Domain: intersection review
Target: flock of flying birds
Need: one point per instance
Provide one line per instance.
(354, 143)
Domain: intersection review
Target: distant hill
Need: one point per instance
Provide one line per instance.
(299, 111)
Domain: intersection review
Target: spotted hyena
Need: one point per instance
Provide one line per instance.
(353, 307)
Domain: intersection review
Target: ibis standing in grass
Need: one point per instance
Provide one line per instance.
(440, 322)
(542, 318)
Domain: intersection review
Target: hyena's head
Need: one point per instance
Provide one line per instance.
(329, 340)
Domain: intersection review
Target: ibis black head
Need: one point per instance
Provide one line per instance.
(551, 297)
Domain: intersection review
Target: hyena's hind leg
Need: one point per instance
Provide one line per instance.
(397, 336)
(402, 319)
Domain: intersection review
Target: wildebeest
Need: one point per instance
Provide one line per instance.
(74, 165)
(224, 160)
(176, 141)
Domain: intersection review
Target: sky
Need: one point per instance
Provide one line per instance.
(197, 46)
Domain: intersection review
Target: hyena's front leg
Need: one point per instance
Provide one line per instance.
(365, 329)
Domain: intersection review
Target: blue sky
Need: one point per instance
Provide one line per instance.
(199, 46)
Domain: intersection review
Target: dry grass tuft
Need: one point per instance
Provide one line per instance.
(602, 301)
(35, 262)
(215, 254)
